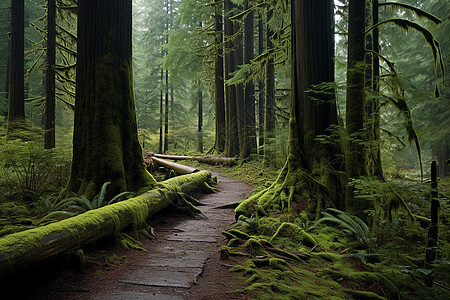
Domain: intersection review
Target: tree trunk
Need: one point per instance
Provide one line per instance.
(49, 116)
(213, 160)
(433, 230)
(269, 116)
(261, 98)
(16, 103)
(231, 126)
(372, 83)
(240, 94)
(249, 130)
(200, 119)
(161, 107)
(309, 177)
(356, 154)
(105, 142)
(219, 85)
(27, 248)
(178, 168)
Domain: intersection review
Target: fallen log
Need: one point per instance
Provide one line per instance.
(212, 160)
(178, 168)
(23, 249)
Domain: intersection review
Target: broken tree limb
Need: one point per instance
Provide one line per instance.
(178, 168)
(23, 249)
(212, 160)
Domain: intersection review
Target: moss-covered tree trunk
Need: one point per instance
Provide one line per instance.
(355, 152)
(49, 116)
(105, 142)
(308, 180)
(16, 103)
(219, 144)
(372, 104)
(22, 250)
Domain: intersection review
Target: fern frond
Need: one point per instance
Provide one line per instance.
(102, 194)
(118, 197)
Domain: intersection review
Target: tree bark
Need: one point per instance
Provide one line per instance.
(261, 96)
(105, 142)
(269, 116)
(16, 102)
(249, 130)
(231, 126)
(21, 250)
(200, 119)
(219, 85)
(356, 154)
(49, 116)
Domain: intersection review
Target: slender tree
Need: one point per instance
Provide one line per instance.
(231, 137)
(200, 118)
(166, 98)
(249, 130)
(261, 87)
(49, 116)
(16, 102)
(269, 116)
(356, 155)
(105, 142)
(219, 84)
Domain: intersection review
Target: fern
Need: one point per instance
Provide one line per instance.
(349, 224)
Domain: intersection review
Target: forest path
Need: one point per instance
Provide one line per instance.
(183, 263)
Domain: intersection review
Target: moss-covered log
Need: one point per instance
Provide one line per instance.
(21, 250)
(212, 160)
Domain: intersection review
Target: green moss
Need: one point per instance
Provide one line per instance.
(294, 232)
(369, 278)
(254, 247)
(364, 295)
(327, 256)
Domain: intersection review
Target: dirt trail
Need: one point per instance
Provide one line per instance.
(183, 263)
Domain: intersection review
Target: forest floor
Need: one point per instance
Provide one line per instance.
(182, 263)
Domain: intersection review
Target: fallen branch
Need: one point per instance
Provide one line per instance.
(178, 168)
(23, 249)
(212, 160)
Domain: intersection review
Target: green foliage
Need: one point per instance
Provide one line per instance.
(349, 224)
(82, 204)
(28, 170)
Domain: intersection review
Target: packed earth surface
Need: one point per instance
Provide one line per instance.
(182, 262)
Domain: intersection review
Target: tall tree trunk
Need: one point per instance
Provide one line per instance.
(166, 98)
(166, 114)
(261, 95)
(356, 155)
(161, 107)
(219, 85)
(232, 138)
(309, 177)
(49, 116)
(374, 167)
(200, 118)
(16, 103)
(249, 145)
(269, 116)
(105, 142)
(240, 93)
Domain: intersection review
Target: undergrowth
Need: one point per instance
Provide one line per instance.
(287, 256)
